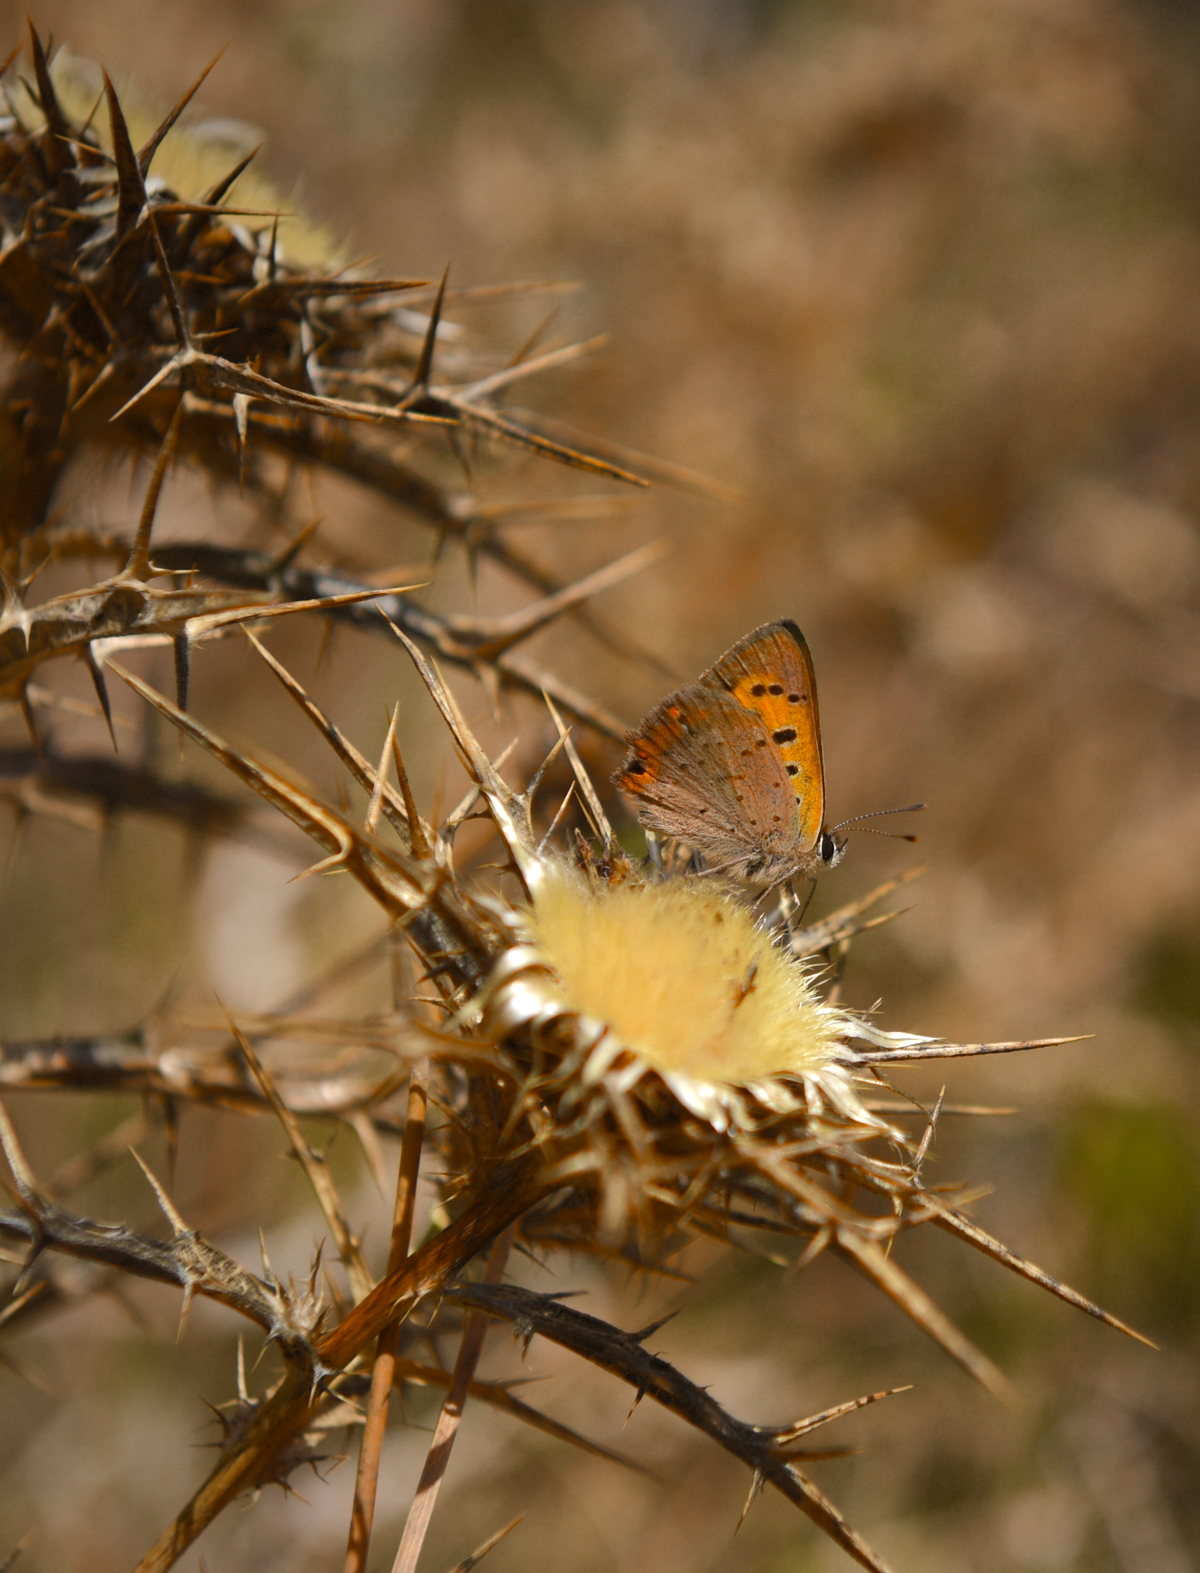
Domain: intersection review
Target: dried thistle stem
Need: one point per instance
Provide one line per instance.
(383, 1372)
(469, 1350)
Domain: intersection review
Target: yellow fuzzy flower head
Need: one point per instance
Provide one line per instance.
(682, 974)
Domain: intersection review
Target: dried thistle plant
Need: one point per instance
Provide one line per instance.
(606, 1056)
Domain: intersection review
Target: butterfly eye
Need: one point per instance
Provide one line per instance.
(830, 848)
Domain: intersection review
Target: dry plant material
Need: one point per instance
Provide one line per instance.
(619, 1057)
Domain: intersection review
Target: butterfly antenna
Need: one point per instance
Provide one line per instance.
(892, 835)
(910, 808)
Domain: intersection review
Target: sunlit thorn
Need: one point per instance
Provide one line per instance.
(149, 148)
(518, 369)
(375, 806)
(416, 832)
(591, 799)
(268, 1270)
(495, 635)
(535, 780)
(164, 1201)
(333, 864)
(756, 1486)
(557, 820)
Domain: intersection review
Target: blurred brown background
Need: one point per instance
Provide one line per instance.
(922, 282)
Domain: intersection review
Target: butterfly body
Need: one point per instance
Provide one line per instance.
(732, 763)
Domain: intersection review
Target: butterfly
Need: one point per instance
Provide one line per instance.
(732, 763)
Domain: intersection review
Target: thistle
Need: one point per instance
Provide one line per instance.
(621, 1055)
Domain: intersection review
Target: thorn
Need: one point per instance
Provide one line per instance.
(416, 832)
(131, 188)
(17, 1161)
(489, 681)
(138, 565)
(332, 864)
(195, 222)
(164, 1201)
(327, 637)
(375, 807)
(101, 687)
(151, 147)
(536, 779)
(290, 552)
(183, 669)
(492, 636)
(223, 186)
(185, 1310)
(788, 1435)
(756, 1486)
(477, 1556)
(646, 1332)
(557, 820)
(54, 148)
(183, 337)
(425, 362)
(591, 798)
(30, 725)
(241, 420)
(268, 1270)
(170, 1108)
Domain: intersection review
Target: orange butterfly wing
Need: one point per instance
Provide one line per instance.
(770, 673)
